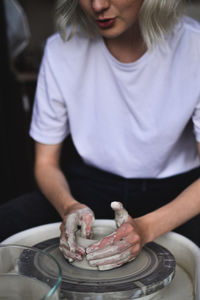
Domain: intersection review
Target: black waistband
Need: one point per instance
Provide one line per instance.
(82, 170)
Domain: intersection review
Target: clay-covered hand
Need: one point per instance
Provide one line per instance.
(121, 246)
(77, 216)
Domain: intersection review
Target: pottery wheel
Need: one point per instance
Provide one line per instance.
(153, 269)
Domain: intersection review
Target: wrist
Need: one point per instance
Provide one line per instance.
(145, 229)
(68, 205)
(72, 206)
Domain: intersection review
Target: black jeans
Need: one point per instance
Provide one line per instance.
(97, 189)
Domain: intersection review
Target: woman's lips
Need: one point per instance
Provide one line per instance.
(105, 23)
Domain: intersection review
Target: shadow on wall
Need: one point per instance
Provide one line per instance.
(16, 168)
(193, 10)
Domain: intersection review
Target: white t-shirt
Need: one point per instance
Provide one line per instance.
(137, 120)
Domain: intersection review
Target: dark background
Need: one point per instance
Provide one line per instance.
(17, 88)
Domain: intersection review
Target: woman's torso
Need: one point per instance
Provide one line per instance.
(133, 120)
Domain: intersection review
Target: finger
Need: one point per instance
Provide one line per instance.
(70, 229)
(120, 244)
(116, 259)
(116, 248)
(64, 241)
(107, 241)
(86, 223)
(80, 250)
(124, 237)
(78, 255)
(70, 256)
(77, 249)
(121, 214)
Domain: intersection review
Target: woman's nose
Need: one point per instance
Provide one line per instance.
(100, 5)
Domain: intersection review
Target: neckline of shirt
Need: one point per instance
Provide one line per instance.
(122, 65)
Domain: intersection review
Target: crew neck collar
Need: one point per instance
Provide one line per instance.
(129, 65)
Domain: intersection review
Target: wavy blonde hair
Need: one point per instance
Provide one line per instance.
(156, 19)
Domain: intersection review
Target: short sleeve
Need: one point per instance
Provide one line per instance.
(49, 124)
(196, 121)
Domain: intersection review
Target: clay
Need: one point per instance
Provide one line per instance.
(98, 232)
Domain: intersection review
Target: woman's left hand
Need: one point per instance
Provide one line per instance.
(121, 246)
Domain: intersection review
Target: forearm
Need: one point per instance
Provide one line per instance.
(172, 215)
(54, 186)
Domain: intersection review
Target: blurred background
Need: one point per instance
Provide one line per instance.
(25, 25)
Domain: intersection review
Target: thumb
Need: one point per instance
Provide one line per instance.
(121, 214)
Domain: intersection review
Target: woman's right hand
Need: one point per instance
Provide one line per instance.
(77, 216)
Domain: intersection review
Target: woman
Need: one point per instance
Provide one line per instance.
(125, 85)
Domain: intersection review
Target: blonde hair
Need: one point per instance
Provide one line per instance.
(156, 19)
